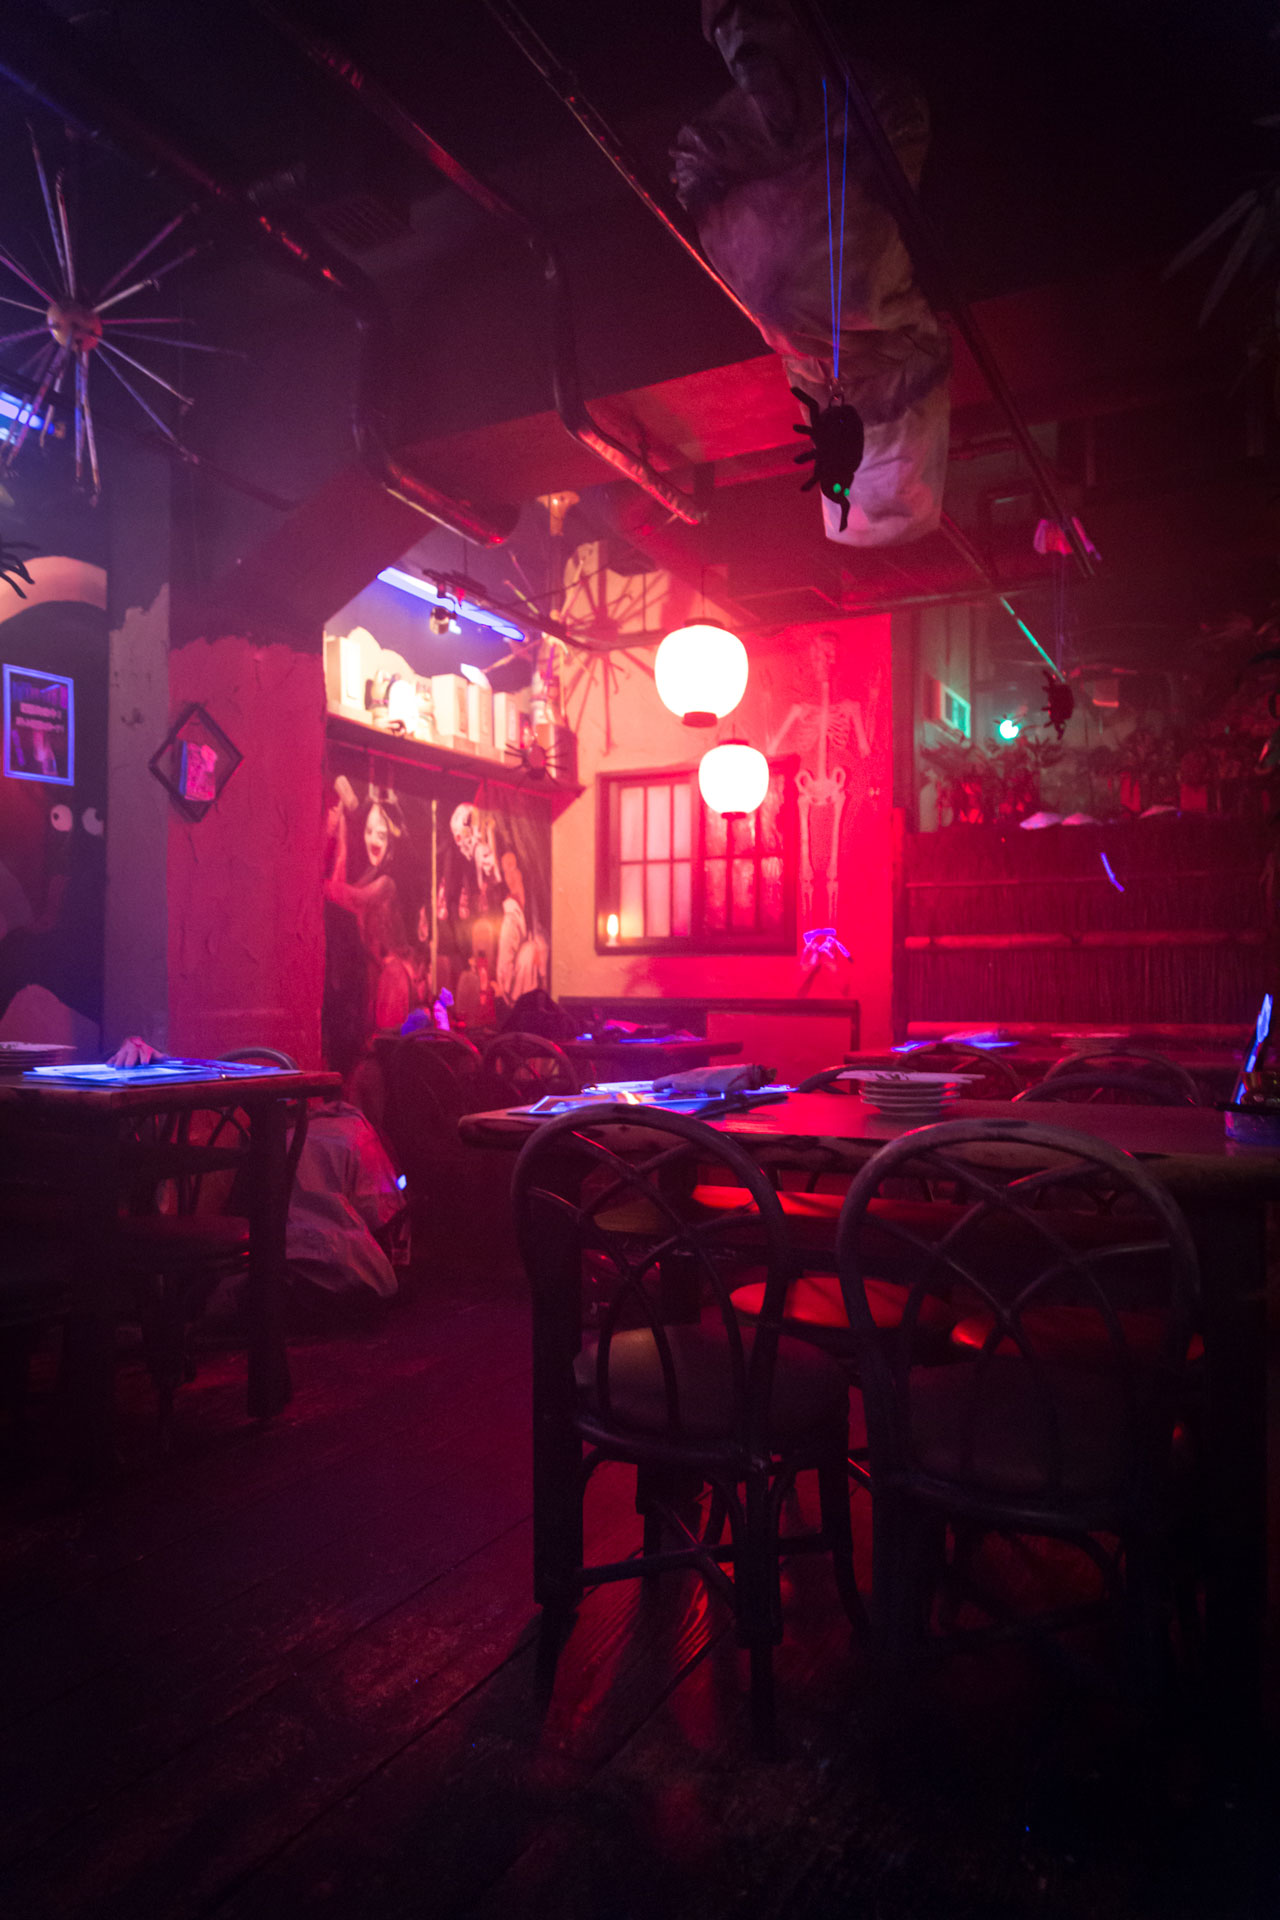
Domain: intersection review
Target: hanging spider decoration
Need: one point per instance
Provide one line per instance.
(11, 563)
(836, 453)
(1060, 703)
(75, 329)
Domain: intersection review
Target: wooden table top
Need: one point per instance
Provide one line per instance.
(1186, 1148)
(26, 1093)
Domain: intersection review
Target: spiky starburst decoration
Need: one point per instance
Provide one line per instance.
(75, 330)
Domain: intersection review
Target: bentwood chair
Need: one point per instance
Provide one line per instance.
(188, 1231)
(1113, 1086)
(525, 1067)
(1018, 1439)
(1135, 1066)
(670, 1383)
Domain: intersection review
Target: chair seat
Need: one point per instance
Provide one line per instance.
(811, 1217)
(815, 1306)
(809, 1390)
(1074, 1336)
(161, 1238)
(1009, 1458)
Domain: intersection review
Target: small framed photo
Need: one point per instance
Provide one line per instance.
(39, 726)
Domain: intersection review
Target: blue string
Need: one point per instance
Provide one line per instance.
(834, 275)
(831, 238)
(835, 301)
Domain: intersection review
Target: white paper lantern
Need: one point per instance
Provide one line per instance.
(733, 779)
(701, 673)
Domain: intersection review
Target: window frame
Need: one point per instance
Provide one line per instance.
(732, 939)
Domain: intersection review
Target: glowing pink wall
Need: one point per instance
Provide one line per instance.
(781, 714)
(246, 944)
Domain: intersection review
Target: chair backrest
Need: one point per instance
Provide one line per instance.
(601, 1199)
(202, 1137)
(526, 1066)
(1052, 1228)
(1134, 1062)
(263, 1057)
(432, 1080)
(1110, 1086)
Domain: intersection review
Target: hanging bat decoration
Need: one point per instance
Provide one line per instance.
(836, 452)
(1060, 703)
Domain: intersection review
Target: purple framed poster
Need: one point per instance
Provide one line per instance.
(39, 726)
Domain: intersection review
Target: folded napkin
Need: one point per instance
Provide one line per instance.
(742, 1077)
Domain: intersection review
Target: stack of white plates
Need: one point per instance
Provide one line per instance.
(915, 1099)
(20, 1056)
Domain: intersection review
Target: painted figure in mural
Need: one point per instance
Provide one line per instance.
(481, 889)
(522, 952)
(382, 899)
(493, 909)
(755, 171)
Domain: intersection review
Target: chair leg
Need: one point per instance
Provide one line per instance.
(833, 1498)
(764, 1711)
(557, 1520)
(758, 1604)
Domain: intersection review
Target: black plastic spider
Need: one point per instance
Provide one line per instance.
(1060, 703)
(11, 562)
(837, 436)
(539, 763)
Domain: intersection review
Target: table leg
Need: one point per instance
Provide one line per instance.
(270, 1388)
(88, 1349)
(1231, 1241)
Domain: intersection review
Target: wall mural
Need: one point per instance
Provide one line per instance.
(430, 883)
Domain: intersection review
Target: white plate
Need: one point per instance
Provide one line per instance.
(885, 1077)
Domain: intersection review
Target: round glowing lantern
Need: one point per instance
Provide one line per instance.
(701, 673)
(733, 779)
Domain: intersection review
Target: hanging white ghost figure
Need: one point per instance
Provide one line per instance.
(755, 172)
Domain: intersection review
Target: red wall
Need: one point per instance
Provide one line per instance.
(246, 942)
(781, 713)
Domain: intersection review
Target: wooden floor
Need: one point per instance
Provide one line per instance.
(291, 1671)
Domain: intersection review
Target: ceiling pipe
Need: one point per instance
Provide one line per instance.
(564, 84)
(575, 415)
(940, 283)
(48, 61)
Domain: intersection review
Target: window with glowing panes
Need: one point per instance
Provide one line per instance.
(671, 873)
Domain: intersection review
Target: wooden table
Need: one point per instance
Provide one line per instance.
(1223, 1189)
(644, 1059)
(77, 1136)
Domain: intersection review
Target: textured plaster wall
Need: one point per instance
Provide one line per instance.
(246, 931)
(782, 713)
(136, 980)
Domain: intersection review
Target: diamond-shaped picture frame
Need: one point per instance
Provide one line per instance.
(194, 761)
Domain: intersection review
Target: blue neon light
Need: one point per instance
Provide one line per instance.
(1260, 1034)
(1109, 873)
(12, 408)
(465, 609)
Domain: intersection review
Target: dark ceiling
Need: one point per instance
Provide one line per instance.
(1067, 143)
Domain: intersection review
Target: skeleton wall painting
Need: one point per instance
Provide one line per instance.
(837, 299)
